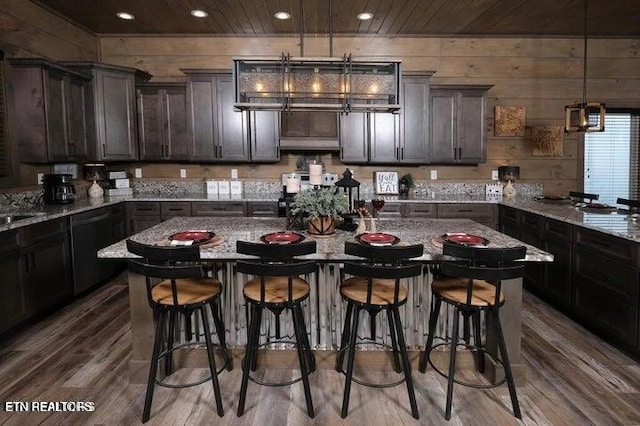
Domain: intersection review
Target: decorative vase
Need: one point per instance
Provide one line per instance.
(509, 191)
(95, 190)
(403, 189)
(321, 226)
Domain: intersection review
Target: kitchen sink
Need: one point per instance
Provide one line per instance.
(6, 219)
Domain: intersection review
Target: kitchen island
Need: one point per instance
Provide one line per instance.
(324, 310)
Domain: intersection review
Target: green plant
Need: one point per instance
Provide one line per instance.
(407, 180)
(320, 202)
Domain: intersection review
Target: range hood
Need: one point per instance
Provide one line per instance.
(316, 84)
(309, 144)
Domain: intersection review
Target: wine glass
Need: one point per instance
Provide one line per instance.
(377, 203)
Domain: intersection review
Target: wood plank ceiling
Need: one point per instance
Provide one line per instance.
(607, 18)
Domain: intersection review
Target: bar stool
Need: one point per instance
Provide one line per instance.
(276, 286)
(473, 286)
(375, 287)
(582, 197)
(182, 290)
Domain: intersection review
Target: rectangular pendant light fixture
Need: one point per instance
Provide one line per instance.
(321, 84)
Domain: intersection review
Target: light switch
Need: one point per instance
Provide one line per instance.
(434, 174)
(138, 173)
(234, 173)
(183, 173)
(494, 175)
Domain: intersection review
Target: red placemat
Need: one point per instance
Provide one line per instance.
(213, 242)
(378, 239)
(191, 237)
(282, 237)
(464, 238)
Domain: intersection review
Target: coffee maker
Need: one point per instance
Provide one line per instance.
(58, 189)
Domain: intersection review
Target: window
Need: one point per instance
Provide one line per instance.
(611, 158)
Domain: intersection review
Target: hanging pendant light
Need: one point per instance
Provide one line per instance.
(584, 116)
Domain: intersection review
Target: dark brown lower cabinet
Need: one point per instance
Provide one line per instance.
(13, 307)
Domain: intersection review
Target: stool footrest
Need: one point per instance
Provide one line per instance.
(363, 382)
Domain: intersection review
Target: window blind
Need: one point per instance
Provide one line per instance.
(611, 158)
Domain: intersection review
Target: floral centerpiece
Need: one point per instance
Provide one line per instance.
(322, 206)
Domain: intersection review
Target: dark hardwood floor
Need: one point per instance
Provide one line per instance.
(81, 354)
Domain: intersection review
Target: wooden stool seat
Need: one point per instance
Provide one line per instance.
(355, 290)
(276, 289)
(454, 290)
(189, 291)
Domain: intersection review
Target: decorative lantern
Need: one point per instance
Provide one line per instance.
(348, 183)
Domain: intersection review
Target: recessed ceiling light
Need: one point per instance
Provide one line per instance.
(126, 16)
(282, 15)
(365, 16)
(198, 13)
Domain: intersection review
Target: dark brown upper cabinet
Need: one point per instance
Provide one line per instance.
(112, 110)
(264, 127)
(162, 121)
(217, 132)
(50, 111)
(384, 138)
(458, 129)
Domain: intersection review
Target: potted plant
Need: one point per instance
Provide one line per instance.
(406, 184)
(322, 206)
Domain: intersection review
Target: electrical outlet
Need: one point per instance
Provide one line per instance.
(434, 174)
(494, 175)
(40, 178)
(183, 173)
(138, 173)
(234, 173)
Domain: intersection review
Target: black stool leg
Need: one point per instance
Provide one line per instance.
(153, 368)
(433, 320)
(300, 329)
(217, 322)
(168, 359)
(506, 365)
(212, 362)
(311, 359)
(254, 355)
(246, 364)
(394, 343)
(452, 362)
(406, 366)
(352, 353)
(345, 337)
(477, 340)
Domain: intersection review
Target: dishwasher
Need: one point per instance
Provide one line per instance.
(90, 232)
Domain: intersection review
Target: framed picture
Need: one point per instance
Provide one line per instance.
(385, 182)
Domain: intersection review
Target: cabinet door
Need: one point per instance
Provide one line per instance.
(354, 138)
(78, 138)
(55, 98)
(442, 141)
(232, 136)
(472, 128)
(384, 143)
(414, 117)
(47, 273)
(115, 115)
(12, 303)
(175, 123)
(265, 135)
(201, 113)
(150, 124)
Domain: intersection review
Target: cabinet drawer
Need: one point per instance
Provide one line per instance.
(554, 229)
(391, 210)
(175, 208)
(620, 279)
(464, 210)
(40, 231)
(145, 208)
(420, 210)
(617, 248)
(262, 209)
(218, 208)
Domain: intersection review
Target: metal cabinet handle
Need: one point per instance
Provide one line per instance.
(162, 151)
(459, 153)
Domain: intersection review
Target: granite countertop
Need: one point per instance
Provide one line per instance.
(611, 222)
(329, 249)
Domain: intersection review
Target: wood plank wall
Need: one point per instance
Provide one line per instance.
(541, 74)
(28, 30)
